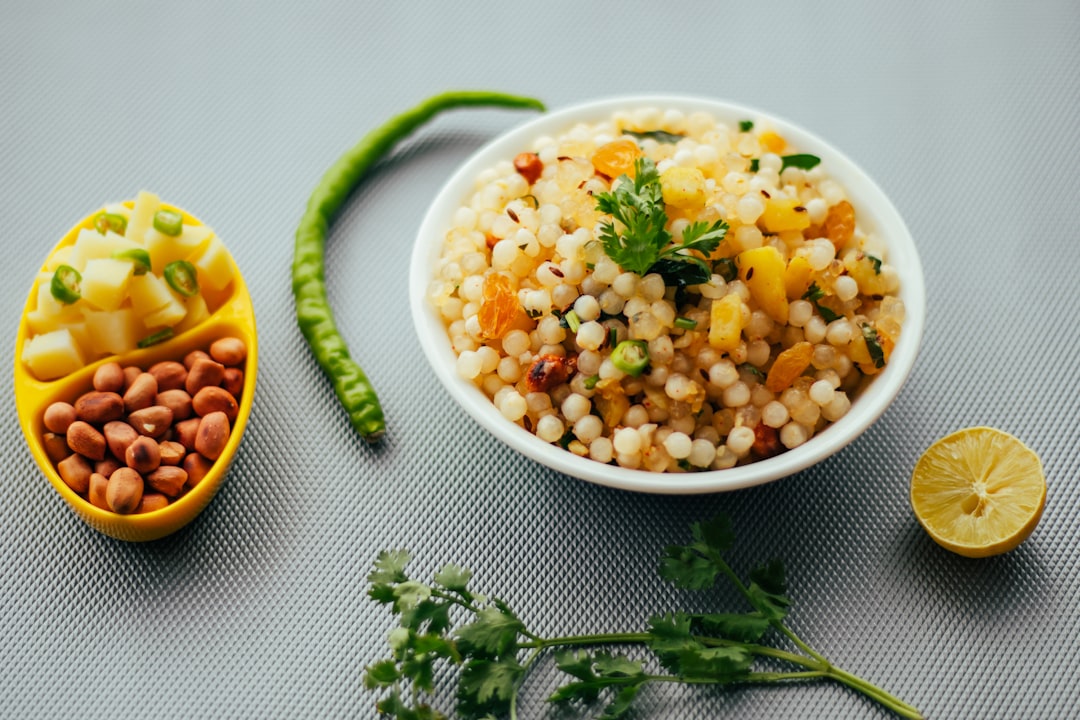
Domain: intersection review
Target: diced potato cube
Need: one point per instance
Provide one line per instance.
(113, 332)
(197, 311)
(142, 215)
(725, 322)
(762, 269)
(92, 245)
(53, 354)
(173, 312)
(165, 249)
(62, 256)
(214, 265)
(683, 187)
(148, 294)
(784, 214)
(797, 277)
(105, 282)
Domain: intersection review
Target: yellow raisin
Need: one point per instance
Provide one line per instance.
(788, 366)
(616, 158)
(840, 224)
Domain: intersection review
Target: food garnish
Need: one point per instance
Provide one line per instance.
(313, 313)
(978, 492)
(446, 623)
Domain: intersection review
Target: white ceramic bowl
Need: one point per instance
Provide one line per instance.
(875, 212)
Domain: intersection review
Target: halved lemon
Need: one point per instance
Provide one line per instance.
(978, 492)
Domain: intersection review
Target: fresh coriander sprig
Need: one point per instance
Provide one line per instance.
(644, 244)
(445, 623)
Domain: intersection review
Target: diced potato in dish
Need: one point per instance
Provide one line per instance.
(134, 274)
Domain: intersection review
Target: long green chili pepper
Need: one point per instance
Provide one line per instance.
(313, 312)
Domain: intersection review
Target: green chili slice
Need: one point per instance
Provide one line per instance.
(138, 256)
(105, 221)
(168, 222)
(631, 356)
(66, 284)
(157, 337)
(572, 321)
(182, 277)
(313, 312)
(685, 323)
(590, 382)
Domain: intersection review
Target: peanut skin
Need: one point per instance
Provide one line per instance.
(98, 407)
(204, 372)
(124, 491)
(143, 456)
(84, 438)
(141, 394)
(228, 351)
(109, 378)
(75, 471)
(215, 399)
(212, 435)
(58, 416)
(170, 375)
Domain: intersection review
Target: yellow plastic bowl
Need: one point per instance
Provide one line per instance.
(234, 317)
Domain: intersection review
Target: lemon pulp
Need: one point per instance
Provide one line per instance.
(978, 492)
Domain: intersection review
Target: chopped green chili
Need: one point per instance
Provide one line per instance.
(631, 356)
(572, 321)
(156, 337)
(168, 222)
(746, 125)
(875, 262)
(659, 136)
(313, 312)
(725, 268)
(66, 284)
(106, 221)
(182, 277)
(138, 256)
(803, 161)
(685, 323)
(590, 382)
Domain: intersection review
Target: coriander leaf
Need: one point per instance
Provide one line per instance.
(746, 125)
(680, 273)
(381, 593)
(429, 614)
(454, 578)
(715, 533)
(725, 663)
(493, 634)
(875, 261)
(685, 568)
(657, 135)
(827, 314)
(617, 666)
(669, 637)
(487, 686)
(390, 567)
(638, 206)
(618, 707)
(409, 594)
(740, 627)
(813, 293)
(768, 590)
(381, 674)
(873, 346)
(802, 161)
(578, 663)
(725, 268)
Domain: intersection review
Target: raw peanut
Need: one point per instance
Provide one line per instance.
(119, 435)
(204, 372)
(170, 375)
(172, 452)
(212, 436)
(184, 432)
(151, 502)
(143, 455)
(99, 408)
(215, 399)
(228, 351)
(167, 479)
(109, 378)
(194, 355)
(107, 466)
(75, 471)
(197, 467)
(153, 421)
(84, 438)
(56, 446)
(176, 400)
(130, 373)
(58, 416)
(141, 393)
(233, 381)
(124, 491)
(96, 492)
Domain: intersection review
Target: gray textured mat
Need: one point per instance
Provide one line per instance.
(965, 113)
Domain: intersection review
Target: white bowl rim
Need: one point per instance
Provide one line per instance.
(865, 194)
